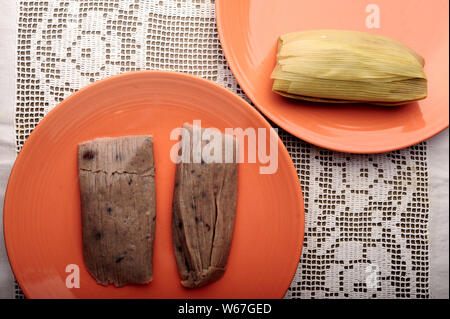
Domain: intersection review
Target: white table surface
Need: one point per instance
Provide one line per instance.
(438, 162)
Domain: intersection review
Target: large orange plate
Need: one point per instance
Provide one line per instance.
(42, 218)
(249, 30)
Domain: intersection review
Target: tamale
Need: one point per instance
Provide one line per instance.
(203, 212)
(118, 206)
(348, 67)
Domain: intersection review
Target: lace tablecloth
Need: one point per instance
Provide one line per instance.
(367, 216)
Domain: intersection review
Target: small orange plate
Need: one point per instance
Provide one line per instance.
(42, 215)
(249, 30)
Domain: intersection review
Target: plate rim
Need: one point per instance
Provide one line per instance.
(184, 76)
(234, 67)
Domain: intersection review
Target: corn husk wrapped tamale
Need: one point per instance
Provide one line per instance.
(348, 67)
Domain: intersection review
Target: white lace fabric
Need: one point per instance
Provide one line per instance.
(366, 233)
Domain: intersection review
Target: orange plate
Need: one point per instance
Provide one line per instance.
(249, 30)
(42, 217)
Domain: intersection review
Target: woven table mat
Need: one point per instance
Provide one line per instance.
(366, 232)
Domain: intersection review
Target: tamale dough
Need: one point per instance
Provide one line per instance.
(117, 187)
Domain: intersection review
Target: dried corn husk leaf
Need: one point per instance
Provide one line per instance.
(348, 67)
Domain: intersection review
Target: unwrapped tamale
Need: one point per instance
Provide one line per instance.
(204, 207)
(348, 67)
(117, 187)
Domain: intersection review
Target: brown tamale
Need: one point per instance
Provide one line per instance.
(203, 214)
(117, 187)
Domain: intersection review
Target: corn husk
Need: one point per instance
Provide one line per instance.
(348, 67)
